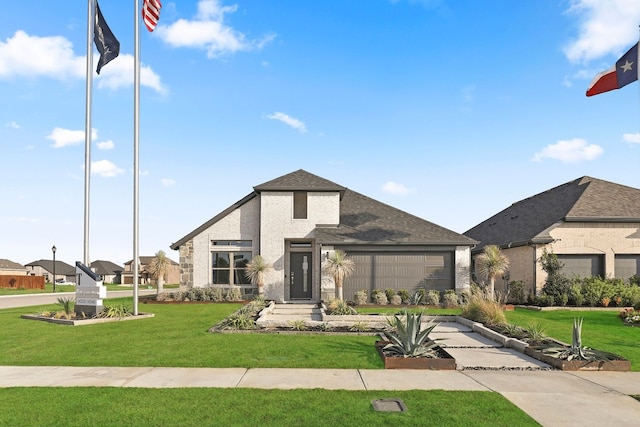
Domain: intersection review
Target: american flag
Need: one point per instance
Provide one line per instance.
(151, 13)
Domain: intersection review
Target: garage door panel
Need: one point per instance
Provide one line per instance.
(626, 266)
(582, 265)
(407, 271)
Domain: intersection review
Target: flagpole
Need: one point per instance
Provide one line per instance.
(87, 128)
(136, 136)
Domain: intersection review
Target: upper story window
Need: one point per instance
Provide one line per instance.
(299, 205)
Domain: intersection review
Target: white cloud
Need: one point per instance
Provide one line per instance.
(395, 188)
(105, 168)
(166, 182)
(288, 120)
(66, 137)
(31, 56)
(571, 151)
(13, 125)
(633, 138)
(105, 145)
(606, 27)
(209, 32)
(119, 73)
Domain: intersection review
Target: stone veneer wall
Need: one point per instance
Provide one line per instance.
(186, 264)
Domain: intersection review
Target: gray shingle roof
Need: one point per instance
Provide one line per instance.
(106, 268)
(362, 219)
(299, 180)
(10, 265)
(585, 199)
(62, 268)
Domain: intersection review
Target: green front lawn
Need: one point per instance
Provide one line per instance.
(601, 330)
(177, 336)
(83, 406)
(48, 288)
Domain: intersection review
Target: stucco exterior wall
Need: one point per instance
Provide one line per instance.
(521, 261)
(240, 224)
(277, 225)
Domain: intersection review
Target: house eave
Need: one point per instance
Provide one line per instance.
(602, 219)
(175, 246)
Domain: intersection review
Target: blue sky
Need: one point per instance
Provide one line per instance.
(449, 110)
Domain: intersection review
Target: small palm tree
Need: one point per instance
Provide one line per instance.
(159, 267)
(256, 271)
(340, 267)
(492, 263)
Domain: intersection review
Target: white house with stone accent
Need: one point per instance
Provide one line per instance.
(295, 221)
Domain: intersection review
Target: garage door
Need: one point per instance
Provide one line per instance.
(582, 265)
(401, 270)
(626, 266)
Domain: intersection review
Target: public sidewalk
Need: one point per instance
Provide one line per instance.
(552, 398)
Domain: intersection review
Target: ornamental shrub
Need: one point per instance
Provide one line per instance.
(450, 298)
(360, 297)
(432, 297)
(515, 292)
(389, 293)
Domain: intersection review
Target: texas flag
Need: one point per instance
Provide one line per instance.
(624, 72)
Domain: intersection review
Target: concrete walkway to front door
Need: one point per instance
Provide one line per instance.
(470, 349)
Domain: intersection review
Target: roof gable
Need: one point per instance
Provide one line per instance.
(583, 199)
(299, 180)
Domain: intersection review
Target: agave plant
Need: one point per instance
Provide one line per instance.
(409, 338)
(576, 351)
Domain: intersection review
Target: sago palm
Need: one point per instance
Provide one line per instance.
(492, 263)
(340, 267)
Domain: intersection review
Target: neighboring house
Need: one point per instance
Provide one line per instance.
(109, 271)
(44, 267)
(145, 276)
(593, 226)
(295, 222)
(10, 268)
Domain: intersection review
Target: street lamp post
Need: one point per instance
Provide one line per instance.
(53, 249)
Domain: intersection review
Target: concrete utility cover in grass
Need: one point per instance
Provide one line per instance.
(389, 405)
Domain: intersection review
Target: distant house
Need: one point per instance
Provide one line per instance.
(145, 276)
(110, 272)
(44, 267)
(297, 220)
(10, 268)
(593, 226)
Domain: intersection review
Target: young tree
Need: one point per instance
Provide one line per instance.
(159, 267)
(340, 267)
(492, 263)
(256, 271)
